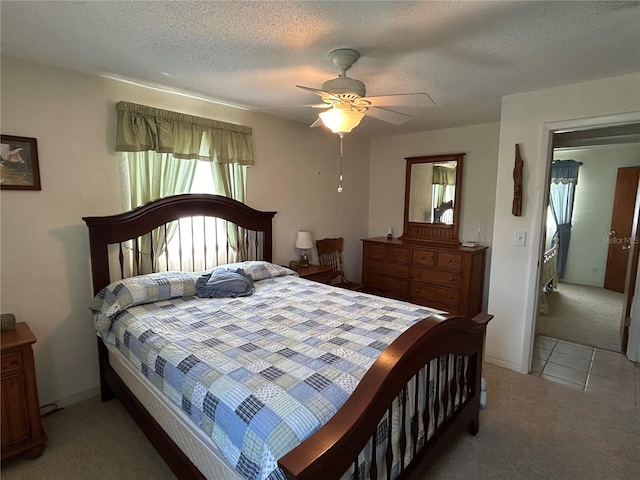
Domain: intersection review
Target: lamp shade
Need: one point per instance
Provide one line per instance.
(341, 119)
(303, 240)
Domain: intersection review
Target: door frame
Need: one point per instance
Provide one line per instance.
(543, 169)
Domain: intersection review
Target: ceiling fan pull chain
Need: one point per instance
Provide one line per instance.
(341, 156)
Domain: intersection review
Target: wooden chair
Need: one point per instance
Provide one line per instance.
(330, 255)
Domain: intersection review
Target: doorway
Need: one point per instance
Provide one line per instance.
(580, 309)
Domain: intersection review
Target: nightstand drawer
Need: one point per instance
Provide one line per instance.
(317, 273)
(21, 432)
(11, 362)
(437, 277)
(391, 269)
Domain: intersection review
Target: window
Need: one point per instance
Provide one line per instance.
(169, 153)
(154, 175)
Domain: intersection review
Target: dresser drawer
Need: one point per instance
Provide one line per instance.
(11, 361)
(423, 257)
(387, 268)
(375, 250)
(444, 296)
(392, 285)
(437, 277)
(450, 261)
(398, 254)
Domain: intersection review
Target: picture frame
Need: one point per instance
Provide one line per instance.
(19, 168)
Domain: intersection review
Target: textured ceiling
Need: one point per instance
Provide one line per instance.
(465, 55)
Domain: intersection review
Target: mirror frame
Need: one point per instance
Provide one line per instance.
(433, 232)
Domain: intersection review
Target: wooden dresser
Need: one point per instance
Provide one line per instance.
(22, 432)
(439, 275)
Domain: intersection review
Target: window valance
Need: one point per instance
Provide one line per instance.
(444, 176)
(141, 128)
(565, 171)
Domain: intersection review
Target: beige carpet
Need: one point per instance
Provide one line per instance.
(532, 429)
(583, 314)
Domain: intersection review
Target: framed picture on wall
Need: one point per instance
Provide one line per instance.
(19, 163)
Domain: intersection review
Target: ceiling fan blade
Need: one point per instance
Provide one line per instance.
(389, 116)
(402, 100)
(323, 93)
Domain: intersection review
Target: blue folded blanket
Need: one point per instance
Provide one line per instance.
(221, 283)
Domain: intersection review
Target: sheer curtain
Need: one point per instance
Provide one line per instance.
(564, 179)
(161, 150)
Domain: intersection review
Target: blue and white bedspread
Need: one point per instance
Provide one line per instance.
(258, 374)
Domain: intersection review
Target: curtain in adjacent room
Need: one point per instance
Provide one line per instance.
(162, 148)
(564, 179)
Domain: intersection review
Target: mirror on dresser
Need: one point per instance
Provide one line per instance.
(433, 190)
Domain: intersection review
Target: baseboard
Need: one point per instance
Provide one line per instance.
(501, 363)
(77, 397)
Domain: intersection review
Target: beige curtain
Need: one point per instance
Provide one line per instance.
(444, 176)
(142, 128)
(153, 175)
(230, 180)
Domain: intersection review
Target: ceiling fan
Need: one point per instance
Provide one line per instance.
(346, 103)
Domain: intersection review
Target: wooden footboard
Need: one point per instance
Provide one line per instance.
(399, 379)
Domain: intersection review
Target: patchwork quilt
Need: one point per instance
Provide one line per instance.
(259, 373)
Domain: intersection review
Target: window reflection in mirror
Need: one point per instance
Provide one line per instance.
(432, 192)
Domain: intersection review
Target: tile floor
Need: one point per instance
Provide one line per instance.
(586, 368)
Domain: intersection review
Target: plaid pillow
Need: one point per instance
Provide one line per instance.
(153, 287)
(259, 269)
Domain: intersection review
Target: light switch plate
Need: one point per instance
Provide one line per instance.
(520, 239)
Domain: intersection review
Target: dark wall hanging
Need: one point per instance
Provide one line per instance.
(516, 209)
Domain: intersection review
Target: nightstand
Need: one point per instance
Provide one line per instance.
(317, 273)
(22, 432)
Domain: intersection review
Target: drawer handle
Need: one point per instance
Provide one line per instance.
(448, 260)
(451, 279)
(450, 296)
(422, 257)
(417, 274)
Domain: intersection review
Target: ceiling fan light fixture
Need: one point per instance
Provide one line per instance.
(341, 120)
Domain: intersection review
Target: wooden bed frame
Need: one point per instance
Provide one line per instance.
(331, 451)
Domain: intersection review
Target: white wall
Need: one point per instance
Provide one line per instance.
(45, 272)
(593, 206)
(526, 119)
(388, 170)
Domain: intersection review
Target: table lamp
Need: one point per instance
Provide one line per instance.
(304, 243)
